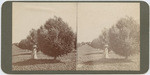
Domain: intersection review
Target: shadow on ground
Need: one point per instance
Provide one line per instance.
(36, 61)
(94, 53)
(22, 54)
(105, 61)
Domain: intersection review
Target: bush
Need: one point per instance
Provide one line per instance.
(56, 38)
(124, 37)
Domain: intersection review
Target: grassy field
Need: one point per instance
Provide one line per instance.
(21, 60)
(88, 58)
(92, 59)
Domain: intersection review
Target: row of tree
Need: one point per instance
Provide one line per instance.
(123, 37)
(54, 38)
(83, 43)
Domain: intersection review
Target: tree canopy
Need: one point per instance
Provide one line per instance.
(124, 37)
(56, 38)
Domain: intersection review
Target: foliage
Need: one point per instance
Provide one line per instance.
(30, 40)
(96, 43)
(25, 44)
(101, 41)
(83, 43)
(56, 38)
(124, 37)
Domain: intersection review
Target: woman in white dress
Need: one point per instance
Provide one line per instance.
(34, 52)
(106, 52)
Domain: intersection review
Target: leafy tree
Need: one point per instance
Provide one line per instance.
(96, 43)
(104, 37)
(33, 36)
(55, 38)
(124, 37)
(25, 44)
(30, 40)
(101, 41)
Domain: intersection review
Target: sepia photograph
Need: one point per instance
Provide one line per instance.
(44, 36)
(108, 36)
(78, 36)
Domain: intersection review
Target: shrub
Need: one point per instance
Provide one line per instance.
(56, 38)
(124, 37)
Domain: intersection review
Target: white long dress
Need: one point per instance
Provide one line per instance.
(106, 53)
(34, 53)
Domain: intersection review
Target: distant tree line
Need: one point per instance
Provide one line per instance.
(83, 43)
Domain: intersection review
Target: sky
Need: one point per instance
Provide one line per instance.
(87, 19)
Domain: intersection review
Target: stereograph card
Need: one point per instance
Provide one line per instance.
(75, 37)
